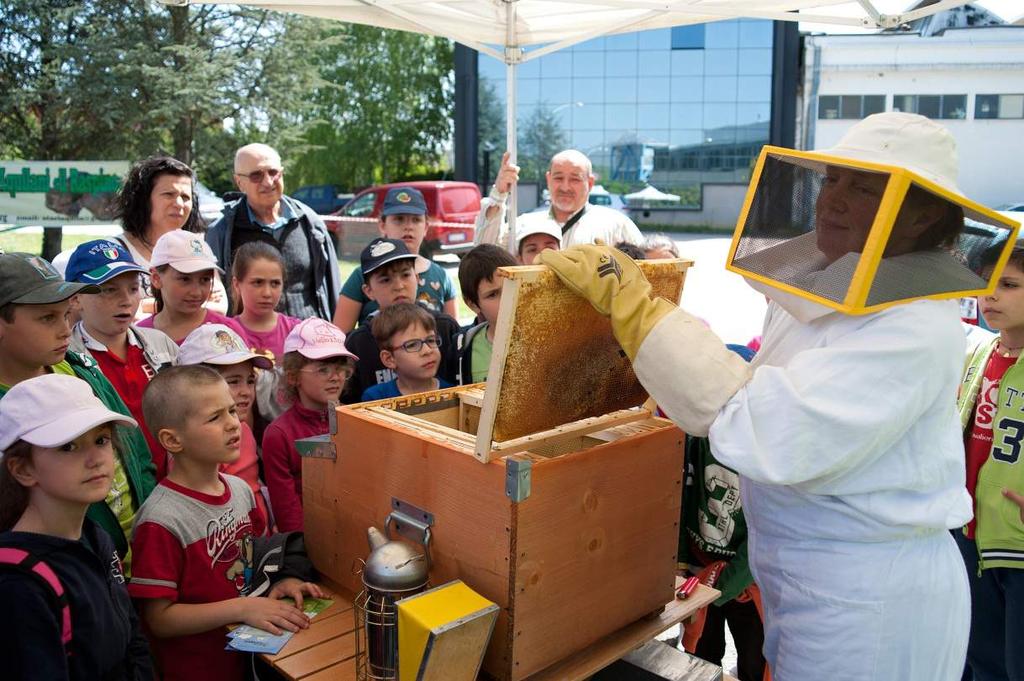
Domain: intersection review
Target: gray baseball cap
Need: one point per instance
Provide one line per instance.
(27, 279)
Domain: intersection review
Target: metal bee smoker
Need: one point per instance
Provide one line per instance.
(394, 570)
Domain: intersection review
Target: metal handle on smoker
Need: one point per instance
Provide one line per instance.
(410, 526)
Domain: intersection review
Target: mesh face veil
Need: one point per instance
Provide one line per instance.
(858, 236)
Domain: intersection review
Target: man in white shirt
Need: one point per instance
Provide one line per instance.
(570, 178)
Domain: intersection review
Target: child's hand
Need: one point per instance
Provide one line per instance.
(293, 588)
(272, 615)
(1016, 498)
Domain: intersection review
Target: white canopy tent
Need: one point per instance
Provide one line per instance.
(651, 194)
(503, 28)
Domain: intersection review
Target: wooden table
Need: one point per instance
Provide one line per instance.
(326, 650)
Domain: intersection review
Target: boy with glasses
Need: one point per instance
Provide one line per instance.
(390, 279)
(409, 346)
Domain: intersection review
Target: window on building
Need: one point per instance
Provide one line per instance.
(849, 106)
(932, 106)
(999, 106)
(688, 37)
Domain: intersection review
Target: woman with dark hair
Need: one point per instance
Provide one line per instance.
(158, 196)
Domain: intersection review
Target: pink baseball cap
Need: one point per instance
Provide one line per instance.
(51, 410)
(186, 252)
(315, 338)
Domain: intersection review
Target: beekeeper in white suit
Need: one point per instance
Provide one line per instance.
(844, 429)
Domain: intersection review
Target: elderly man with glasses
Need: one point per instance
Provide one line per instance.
(312, 280)
(570, 177)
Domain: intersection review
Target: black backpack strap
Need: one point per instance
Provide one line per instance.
(13, 558)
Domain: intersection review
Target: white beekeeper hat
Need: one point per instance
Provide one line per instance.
(51, 410)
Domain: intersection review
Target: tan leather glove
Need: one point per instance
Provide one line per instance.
(615, 286)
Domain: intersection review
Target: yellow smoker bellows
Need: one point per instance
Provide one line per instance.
(443, 633)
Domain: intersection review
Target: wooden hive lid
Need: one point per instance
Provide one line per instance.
(555, 360)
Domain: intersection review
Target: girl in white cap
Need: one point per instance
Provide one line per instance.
(183, 269)
(59, 572)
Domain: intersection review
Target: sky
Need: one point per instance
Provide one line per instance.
(1009, 10)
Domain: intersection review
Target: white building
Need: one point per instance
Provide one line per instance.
(970, 78)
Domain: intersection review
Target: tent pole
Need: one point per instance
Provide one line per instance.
(512, 55)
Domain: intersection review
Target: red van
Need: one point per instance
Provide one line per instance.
(452, 208)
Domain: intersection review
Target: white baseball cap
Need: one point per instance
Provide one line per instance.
(315, 338)
(186, 252)
(539, 227)
(51, 410)
(217, 344)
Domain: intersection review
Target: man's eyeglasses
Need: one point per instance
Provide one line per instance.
(256, 176)
(416, 344)
(326, 371)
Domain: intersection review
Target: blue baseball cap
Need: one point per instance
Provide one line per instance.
(95, 262)
(404, 201)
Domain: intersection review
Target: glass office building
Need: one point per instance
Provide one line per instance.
(677, 108)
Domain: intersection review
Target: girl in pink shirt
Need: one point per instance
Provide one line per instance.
(257, 280)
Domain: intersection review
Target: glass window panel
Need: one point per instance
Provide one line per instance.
(929, 105)
(557, 65)
(529, 69)
(873, 104)
(588, 90)
(755, 33)
(620, 116)
(719, 116)
(655, 39)
(528, 90)
(828, 106)
(754, 62)
(620, 64)
(722, 34)
(491, 68)
(652, 116)
(588, 117)
(587, 140)
(720, 89)
(905, 103)
(688, 89)
(654, 136)
(986, 106)
(687, 116)
(654, 89)
(754, 88)
(687, 63)
(592, 45)
(587, 64)
(655, 63)
(753, 112)
(720, 62)
(1011, 106)
(620, 90)
(556, 90)
(954, 106)
(849, 106)
(622, 41)
(688, 37)
(685, 138)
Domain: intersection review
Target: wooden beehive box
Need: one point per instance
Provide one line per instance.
(550, 489)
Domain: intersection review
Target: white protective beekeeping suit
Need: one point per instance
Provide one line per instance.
(844, 428)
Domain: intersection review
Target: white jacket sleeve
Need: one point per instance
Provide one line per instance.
(841, 405)
(492, 230)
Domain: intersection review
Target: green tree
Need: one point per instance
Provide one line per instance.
(540, 138)
(490, 125)
(383, 110)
